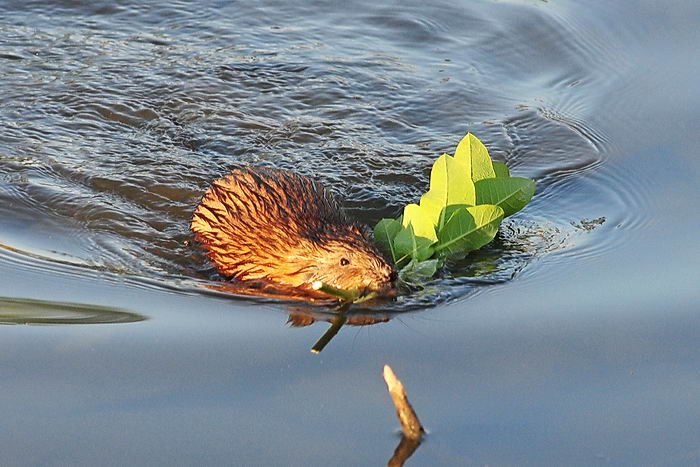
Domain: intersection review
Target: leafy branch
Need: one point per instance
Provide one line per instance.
(468, 198)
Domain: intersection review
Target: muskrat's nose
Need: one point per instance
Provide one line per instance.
(393, 276)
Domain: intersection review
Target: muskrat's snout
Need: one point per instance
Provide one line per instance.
(393, 276)
(389, 288)
(386, 285)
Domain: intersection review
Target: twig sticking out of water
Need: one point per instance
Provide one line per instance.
(412, 428)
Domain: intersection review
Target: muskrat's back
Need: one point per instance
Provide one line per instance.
(275, 225)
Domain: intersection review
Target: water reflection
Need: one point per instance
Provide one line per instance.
(28, 311)
(403, 451)
(342, 316)
(317, 310)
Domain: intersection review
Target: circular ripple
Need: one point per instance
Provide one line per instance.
(111, 135)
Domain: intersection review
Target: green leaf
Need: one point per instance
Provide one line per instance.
(384, 233)
(501, 170)
(449, 184)
(468, 228)
(468, 197)
(511, 194)
(421, 220)
(410, 246)
(472, 153)
(420, 270)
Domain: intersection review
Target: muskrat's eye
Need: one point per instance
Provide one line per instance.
(344, 261)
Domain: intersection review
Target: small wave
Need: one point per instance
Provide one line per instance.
(103, 162)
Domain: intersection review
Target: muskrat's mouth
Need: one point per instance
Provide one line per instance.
(369, 292)
(389, 292)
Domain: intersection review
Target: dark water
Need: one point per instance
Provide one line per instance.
(572, 339)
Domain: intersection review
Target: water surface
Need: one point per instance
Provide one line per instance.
(571, 339)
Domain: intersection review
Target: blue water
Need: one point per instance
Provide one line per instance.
(572, 339)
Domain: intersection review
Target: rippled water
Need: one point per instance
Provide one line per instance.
(127, 128)
(116, 117)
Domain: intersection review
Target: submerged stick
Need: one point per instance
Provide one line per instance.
(411, 426)
(330, 333)
(340, 319)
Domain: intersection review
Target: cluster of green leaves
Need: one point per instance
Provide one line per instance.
(468, 198)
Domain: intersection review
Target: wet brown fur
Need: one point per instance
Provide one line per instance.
(274, 225)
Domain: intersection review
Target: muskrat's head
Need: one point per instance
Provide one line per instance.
(345, 259)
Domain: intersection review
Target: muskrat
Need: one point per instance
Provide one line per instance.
(260, 224)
